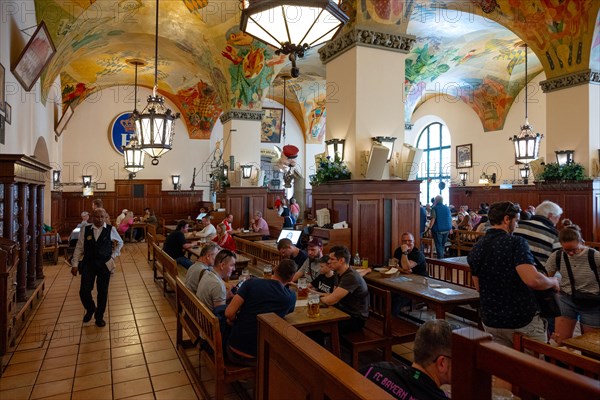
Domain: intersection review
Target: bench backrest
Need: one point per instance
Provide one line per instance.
(558, 356)
(380, 308)
(291, 365)
(165, 262)
(458, 274)
(475, 358)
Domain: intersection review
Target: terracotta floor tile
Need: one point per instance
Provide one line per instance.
(98, 393)
(122, 329)
(130, 374)
(59, 362)
(164, 367)
(143, 310)
(161, 355)
(91, 381)
(33, 345)
(151, 328)
(92, 368)
(170, 380)
(94, 346)
(128, 361)
(17, 381)
(179, 393)
(26, 356)
(51, 388)
(160, 345)
(132, 388)
(124, 341)
(93, 356)
(22, 368)
(153, 337)
(122, 318)
(145, 396)
(95, 335)
(146, 322)
(21, 393)
(121, 311)
(62, 351)
(56, 374)
(64, 340)
(126, 351)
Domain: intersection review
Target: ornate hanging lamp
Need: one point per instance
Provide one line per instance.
(132, 152)
(155, 126)
(527, 143)
(292, 26)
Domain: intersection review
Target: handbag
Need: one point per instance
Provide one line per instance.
(582, 298)
(547, 299)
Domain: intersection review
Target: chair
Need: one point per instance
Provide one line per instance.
(50, 245)
(377, 331)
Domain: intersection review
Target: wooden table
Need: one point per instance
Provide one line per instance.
(413, 286)
(138, 225)
(169, 228)
(327, 321)
(588, 344)
(251, 236)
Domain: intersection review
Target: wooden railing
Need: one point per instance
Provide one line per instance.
(257, 252)
(463, 241)
(452, 272)
(475, 358)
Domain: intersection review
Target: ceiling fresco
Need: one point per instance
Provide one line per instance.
(465, 50)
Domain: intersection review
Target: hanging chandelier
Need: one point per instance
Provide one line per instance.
(155, 125)
(527, 142)
(133, 154)
(292, 26)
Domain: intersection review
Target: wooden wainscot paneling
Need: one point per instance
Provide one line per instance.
(579, 200)
(369, 207)
(242, 202)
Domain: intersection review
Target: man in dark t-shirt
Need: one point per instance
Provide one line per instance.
(430, 370)
(176, 244)
(326, 281)
(288, 250)
(410, 259)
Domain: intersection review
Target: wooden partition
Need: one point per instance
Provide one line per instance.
(580, 201)
(292, 366)
(378, 212)
(242, 202)
(475, 358)
(134, 195)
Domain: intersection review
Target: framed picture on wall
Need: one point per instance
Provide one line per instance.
(7, 113)
(63, 121)
(2, 73)
(271, 125)
(464, 156)
(34, 58)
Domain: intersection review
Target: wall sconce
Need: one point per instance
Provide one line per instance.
(335, 148)
(564, 157)
(487, 179)
(246, 171)
(525, 174)
(56, 178)
(87, 181)
(175, 180)
(387, 141)
(463, 178)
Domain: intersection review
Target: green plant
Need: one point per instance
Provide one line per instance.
(568, 172)
(330, 170)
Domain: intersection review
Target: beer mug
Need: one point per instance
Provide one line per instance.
(267, 271)
(302, 288)
(245, 274)
(365, 262)
(313, 305)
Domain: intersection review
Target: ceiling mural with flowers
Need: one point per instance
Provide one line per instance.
(465, 49)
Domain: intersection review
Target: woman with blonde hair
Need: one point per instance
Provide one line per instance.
(223, 238)
(579, 283)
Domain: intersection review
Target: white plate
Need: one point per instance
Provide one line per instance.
(391, 271)
(381, 269)
(435, 285)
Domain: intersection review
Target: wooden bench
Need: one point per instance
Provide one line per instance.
(463, 241)
(200, 324)
(293, 366)
(558, 356)
(166, 266)
(155, 237)
(452, 272)
(475, 358)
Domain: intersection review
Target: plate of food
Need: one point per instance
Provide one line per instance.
(391, 271)
(381, 269)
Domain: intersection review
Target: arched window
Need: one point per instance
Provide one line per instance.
(434, 168)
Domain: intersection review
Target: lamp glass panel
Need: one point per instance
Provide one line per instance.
(175, 179)
(268, 26)
(463, 176)
(524, 173)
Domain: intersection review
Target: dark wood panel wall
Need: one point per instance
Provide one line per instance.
(242, 202)
(362, 205)
(134, 195)
(579, 200)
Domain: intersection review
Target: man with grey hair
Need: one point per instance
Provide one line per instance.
(431, 367)
(540, 231)
(205, 261)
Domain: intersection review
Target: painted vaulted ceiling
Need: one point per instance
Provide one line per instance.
(467, 49)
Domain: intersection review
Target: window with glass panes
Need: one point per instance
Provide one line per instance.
(435, 166)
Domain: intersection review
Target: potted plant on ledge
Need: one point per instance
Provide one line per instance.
(330, 170)
(566, 177)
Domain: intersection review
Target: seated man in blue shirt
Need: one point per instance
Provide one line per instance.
(257, 296)
(431, 368)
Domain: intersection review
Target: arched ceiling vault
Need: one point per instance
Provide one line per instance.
(465, 48)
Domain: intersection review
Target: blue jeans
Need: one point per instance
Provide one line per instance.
(184, 262)
(439, 239)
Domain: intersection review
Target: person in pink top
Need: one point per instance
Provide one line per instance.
(260, 225)
(127, 224)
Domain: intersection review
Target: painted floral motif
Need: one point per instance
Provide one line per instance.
(73, 94)
(200, 108)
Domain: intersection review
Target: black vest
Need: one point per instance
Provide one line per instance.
(97, 251)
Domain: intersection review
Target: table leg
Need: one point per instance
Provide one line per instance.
(440, 312)
(335, 340)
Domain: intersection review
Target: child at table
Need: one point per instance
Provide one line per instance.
(326, 281)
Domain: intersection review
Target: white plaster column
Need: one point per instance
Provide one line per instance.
(573, 117)
(241, 139)
(365, 90)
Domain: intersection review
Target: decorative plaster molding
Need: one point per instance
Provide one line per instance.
(570, 80)
(245, 115)
(408, 126)
(369, 38)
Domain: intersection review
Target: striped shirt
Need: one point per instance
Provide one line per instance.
(585, 279)
(541, 235)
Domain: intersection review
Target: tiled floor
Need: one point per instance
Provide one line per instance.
(134, 356)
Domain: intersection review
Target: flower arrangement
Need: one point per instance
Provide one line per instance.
(330, 170)
(568, 172)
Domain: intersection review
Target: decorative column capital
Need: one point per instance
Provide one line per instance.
(244, 115)
(570, 80)
(400, 43)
